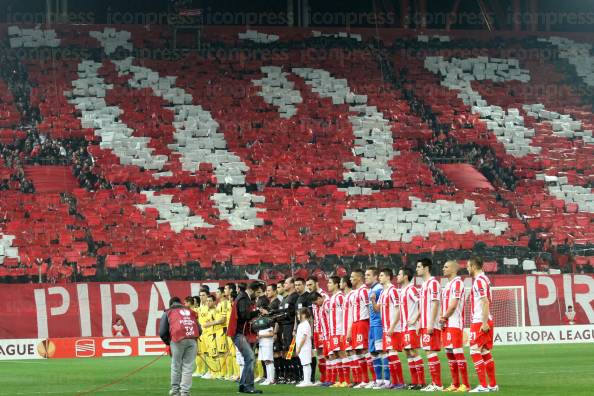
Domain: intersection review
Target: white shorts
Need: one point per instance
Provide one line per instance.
(305, 356)
(265, 350)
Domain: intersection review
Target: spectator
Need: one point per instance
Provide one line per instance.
(570, 315)
(118, 329)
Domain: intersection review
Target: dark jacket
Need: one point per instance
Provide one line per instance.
(303, 301)
(245, 311)
(289, 307)
(274, 306)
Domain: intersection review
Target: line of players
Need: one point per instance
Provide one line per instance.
(359, 328)
(365, 321)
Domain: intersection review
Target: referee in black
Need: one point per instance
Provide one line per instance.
(286, 325)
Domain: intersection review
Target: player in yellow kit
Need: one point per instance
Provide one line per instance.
(223, 312)
(213, 333)
(202, 369)
(228, 350)
(194, 303)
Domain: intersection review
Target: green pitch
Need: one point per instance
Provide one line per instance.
(521, 370)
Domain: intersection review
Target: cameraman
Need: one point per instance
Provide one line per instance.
(243, 312)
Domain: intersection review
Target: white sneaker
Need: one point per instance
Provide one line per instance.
(371, 385)
(428, 388)
(383, 384)
(493, 388)
(195, 375)
(479, 389)
(259, 379)
(304, 384)
(265, 383)
(362, 385)
(207, 376)
(317, 383)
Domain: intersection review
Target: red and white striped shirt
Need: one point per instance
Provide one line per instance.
(317, 312)
(349, 301)
(324, 319)
(361, 304)
(389, 303)
(336, 315)
(430, 291)
(409, 306)
(481, 287)
(454, 290)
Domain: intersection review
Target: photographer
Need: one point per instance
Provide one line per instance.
(242, 312)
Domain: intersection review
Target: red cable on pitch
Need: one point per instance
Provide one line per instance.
(131, 373)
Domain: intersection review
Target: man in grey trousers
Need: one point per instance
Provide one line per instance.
(179, 330)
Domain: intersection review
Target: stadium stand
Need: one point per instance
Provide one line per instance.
(216, 162)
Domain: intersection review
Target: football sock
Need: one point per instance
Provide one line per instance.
(386, 367)
(199, 365)
(322, 368)
(347, 369)
(364, 374)
(453, 365)
(356, 369)
(277, 368)
(479, 366)
(264, 372)
(306, 372)
(435, 368)
(341, 370)
(395, 369)
(420, 370)
(288, 369)
(377, 367)
(331, 371)
(298, 368)
(490, 368)
(462, 366)
(270, 372)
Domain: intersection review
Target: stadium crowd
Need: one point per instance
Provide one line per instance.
(357, 334)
